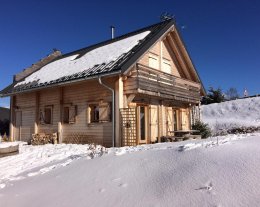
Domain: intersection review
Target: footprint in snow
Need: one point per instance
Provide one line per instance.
(207, 188)
(124, 185)
(101, 190)
(116, 179)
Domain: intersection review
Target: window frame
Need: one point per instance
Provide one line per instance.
(69, 107)
(43, 115)
(91, 112)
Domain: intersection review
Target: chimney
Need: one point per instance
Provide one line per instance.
(112, 32)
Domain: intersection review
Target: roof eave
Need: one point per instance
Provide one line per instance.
(118, 72)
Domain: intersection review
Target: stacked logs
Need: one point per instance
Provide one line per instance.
(41, 139)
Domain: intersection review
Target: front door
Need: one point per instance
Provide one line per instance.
(142, 124)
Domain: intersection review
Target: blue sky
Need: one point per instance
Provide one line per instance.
(222, 36)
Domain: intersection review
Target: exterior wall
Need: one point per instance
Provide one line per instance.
(79, 95)
(50, 97)
(160, 50)
(25, 104)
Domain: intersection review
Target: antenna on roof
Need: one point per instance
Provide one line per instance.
(112, 32)
(166, 16)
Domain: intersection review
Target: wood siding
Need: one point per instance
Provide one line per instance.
(79, 95)
(25, 105)
(162, 52)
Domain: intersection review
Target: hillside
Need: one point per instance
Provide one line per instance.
(241, 112)
(223, 171)
(4, 114)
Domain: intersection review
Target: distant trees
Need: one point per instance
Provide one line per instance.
(232, 94)
(4, 127)
(213, 96)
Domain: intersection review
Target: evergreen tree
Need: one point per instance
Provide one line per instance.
(213, 96)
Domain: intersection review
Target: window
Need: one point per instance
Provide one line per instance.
(166, 66)
(153, 61)
(66, 115)
(69, 114)
(46, 115)
(99, 112)
(94, 113)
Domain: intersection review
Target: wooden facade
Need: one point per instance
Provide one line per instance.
(153, 97)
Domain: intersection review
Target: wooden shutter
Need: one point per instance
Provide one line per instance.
(104, 112)
(153, 123)
(166, 66)
(153, 62)
(41, 117)
(169, 120)
(72, 114)
(184, 119)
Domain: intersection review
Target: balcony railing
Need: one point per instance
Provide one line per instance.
(146, 80)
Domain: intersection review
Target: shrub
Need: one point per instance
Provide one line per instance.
(204, 129)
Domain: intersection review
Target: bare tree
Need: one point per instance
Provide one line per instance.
(232, 94)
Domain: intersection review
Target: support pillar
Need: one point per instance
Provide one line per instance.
(119, 103)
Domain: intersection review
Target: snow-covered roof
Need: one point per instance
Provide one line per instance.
(105, 56)
(108, 57)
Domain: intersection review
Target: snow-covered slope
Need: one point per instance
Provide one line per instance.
(241, 112)
(223, 171)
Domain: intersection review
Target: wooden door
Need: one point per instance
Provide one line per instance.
(169, 120)
(18, 125)
(153, 123)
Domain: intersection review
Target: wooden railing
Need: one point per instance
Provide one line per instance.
(154, 82)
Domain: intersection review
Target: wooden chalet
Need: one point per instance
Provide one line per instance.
(130, 90)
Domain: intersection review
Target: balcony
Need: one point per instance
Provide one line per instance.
(152, 82)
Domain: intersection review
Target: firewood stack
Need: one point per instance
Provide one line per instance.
(41, 139)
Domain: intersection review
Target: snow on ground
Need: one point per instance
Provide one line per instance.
(34, 160)
(226, 115)
(219, 171)
(8, 144)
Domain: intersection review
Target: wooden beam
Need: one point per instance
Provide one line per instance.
(130, 98)
(119, 103)
(36, 121)
(173, 56)
(12, 124)
(61, 102)
(187, 57)
(179, 56)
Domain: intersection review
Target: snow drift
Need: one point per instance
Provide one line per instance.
(221, 171)
(230, 114)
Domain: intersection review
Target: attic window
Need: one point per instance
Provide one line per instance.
(153, 61)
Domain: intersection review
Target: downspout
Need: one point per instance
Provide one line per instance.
(113, 109)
